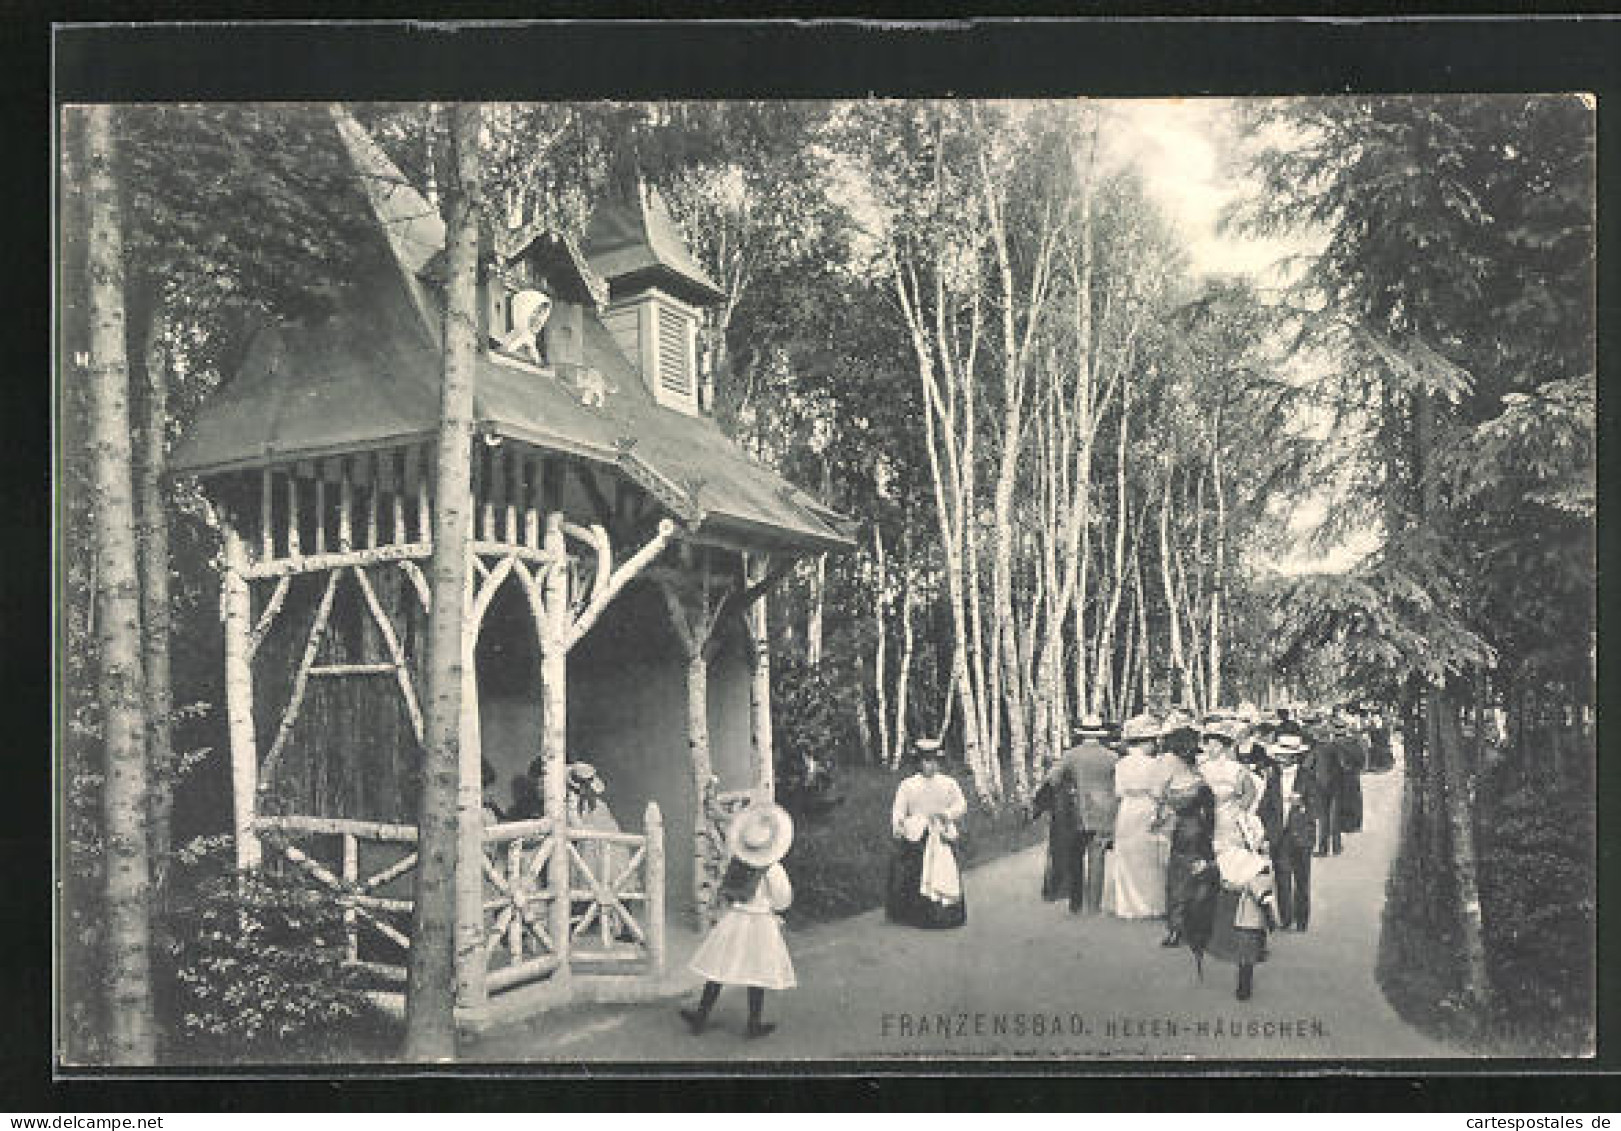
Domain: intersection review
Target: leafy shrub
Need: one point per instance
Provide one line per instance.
(1538, 886)
(812, 716)
(1537, 889)
(259, 965)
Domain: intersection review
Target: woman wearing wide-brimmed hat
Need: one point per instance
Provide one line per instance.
(1244, 904)
(925, 882)
(1134, 875)
(746, 947)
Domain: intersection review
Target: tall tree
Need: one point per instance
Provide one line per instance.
(1449, 294)
(430, 1024)
(133, 1038)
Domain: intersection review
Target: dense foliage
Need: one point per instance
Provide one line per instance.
(1455, 295)
(259, 966)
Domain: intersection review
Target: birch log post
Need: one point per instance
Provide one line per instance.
(756, 619)
(691, 631)
(554, 727)
(653, 825)
(237, 613)
(432, 980)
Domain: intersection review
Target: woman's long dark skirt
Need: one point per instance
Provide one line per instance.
(903, 902)
(1190, 897)
(1351, 802)
(1228, 941)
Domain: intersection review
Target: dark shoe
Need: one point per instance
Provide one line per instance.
(759, 1029)
(695, 1019)
(1172, 938)
(1321, 852)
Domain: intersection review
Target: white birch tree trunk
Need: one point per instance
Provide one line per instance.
(903, 674)
(155, 625)
(883, 595)
(430, 1026)
(132, 1033)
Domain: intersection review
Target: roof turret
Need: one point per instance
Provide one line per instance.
(633, 243)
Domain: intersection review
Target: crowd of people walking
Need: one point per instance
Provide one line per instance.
(1211, 824)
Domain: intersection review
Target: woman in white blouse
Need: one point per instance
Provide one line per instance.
(925, 882)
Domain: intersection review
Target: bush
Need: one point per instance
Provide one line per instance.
(811, 717)
(1537, 891)
(259, 966)
(1537, 887)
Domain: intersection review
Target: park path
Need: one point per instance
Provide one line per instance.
(1027, 979)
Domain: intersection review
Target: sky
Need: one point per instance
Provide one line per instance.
(1184, 149)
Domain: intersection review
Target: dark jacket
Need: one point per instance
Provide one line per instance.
(1302, 825)
(1326, 761)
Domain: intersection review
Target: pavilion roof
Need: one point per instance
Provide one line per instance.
(369, 378)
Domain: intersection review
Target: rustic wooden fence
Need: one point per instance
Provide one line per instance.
(611, 919)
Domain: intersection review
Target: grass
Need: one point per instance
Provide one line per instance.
(840, 859)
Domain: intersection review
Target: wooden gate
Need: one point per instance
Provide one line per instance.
(612, 921)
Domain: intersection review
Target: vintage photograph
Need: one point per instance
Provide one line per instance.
(879, 580)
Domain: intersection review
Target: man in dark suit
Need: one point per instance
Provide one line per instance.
(1328, 770)
(1079, 793)
(1286, 812)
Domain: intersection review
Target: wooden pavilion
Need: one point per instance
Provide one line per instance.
(622, 549)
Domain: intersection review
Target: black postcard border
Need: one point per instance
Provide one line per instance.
(89, 53)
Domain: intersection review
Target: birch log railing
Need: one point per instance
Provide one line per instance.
(609, 871)
(375, 910)
(616, 893)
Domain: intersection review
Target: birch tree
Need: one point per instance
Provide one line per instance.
(133, 1036)
(430, 1032)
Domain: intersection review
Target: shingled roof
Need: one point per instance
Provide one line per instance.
(634, 242)
(369, 378)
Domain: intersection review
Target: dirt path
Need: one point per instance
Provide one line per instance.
(1028, 979)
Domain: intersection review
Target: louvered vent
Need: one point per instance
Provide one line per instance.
(675, 370)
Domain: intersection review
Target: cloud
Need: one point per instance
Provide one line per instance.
(1179, 145)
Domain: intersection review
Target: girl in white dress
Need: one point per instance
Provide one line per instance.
(746, 947)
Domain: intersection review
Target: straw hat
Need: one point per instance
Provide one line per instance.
(760, 835)
(1289, 746)
(1092, 726)
(1141, 728)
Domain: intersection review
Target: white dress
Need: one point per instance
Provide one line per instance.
(1236, 793)
(1134, 874)
(746, 947)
